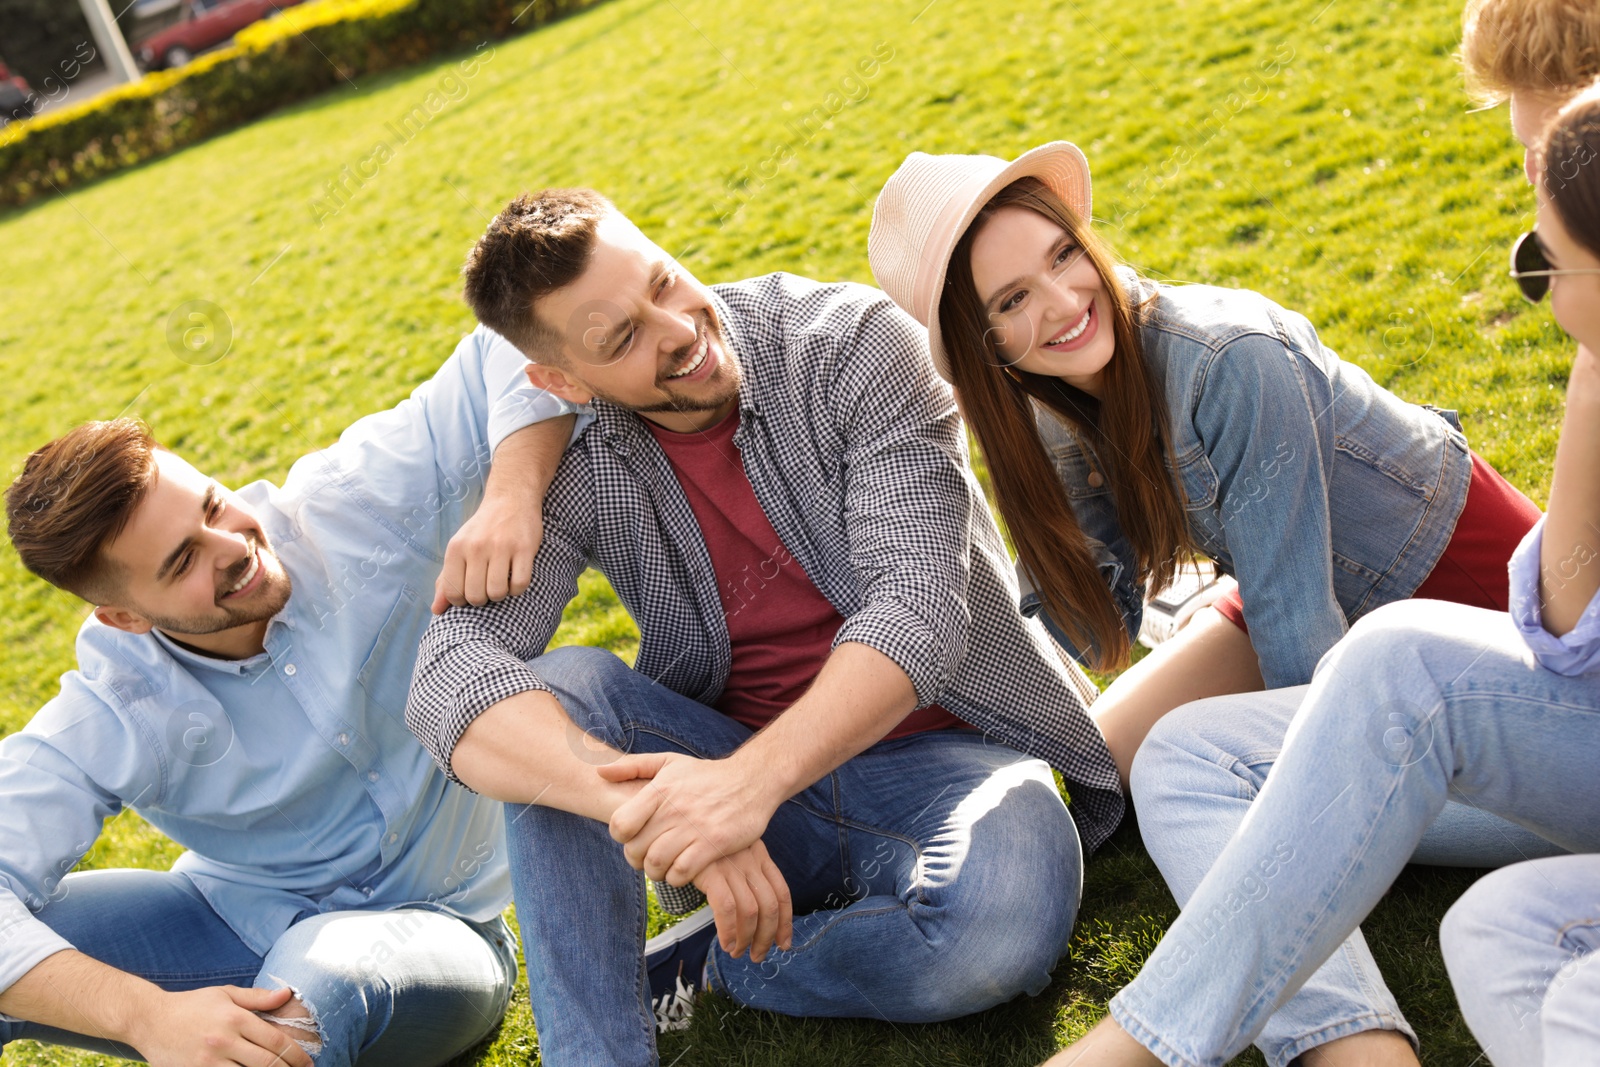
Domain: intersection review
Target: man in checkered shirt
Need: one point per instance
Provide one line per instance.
(839, 727)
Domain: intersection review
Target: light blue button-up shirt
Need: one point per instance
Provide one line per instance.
(290, 777)
(1577, 651)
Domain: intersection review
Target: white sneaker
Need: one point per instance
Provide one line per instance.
(674, 959)
(1196, 585)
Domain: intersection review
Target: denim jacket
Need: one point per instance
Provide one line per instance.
(1323, 493)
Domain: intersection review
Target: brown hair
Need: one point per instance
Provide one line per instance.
(1571, 177)
(1127, 431)
(1543, 46)
(74, 496)
(536, 245)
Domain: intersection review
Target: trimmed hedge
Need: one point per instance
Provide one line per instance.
(302, 52)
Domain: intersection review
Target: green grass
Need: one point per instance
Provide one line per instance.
(1322, 153)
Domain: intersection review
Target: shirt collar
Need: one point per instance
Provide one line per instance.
(237, 667)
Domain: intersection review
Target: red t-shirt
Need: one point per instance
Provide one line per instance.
(780, 625)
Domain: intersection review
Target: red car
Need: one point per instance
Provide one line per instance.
(205, 24)
(17, 101)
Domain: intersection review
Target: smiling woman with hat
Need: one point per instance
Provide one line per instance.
(1129, 425)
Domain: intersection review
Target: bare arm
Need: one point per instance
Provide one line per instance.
(201, 1028)
(1569, 555)
(491, 556)
(527, 750)
(859, 696)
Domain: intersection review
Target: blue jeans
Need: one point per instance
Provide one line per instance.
(1521, 946)
(1424, 703)
(933, 876)
(407, 988)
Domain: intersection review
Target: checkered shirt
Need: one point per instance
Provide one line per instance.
(858, 457)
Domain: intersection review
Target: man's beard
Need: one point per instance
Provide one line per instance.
(680, 359)
(267, 602)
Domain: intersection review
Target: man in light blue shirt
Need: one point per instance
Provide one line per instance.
(242, 684)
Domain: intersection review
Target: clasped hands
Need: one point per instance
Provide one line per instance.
(701, 821)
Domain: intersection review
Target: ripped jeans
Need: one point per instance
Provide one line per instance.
(407, 988)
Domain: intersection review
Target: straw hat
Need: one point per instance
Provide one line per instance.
(927, 205)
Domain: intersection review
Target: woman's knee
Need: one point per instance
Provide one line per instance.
(1543, 905)
(1406, 637)
(1482, 925)
(1171, 747)
(1508, 947)
(1219, 742)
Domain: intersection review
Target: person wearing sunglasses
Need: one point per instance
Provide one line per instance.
(1425, 702)
(1531, 267)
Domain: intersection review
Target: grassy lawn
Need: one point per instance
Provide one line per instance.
(1322, 153)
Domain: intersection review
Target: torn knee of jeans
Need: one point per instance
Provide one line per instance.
(299, 1018)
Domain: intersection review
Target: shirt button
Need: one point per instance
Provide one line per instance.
(367, 890)
(373, 776)
(393, 838)
(1095, 481)
(344, 739)
(289, 670)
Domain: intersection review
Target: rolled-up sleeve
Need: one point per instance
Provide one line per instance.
(420, 467)
(1573, 653)
(907, 504)
(513, 401)
(61, 777)
(471, 658)
(25, 942)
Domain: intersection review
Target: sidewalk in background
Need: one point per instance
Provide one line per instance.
(84, 88)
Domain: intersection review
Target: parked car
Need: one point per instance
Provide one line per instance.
(17, 100)
(205, 24)
(146, 18)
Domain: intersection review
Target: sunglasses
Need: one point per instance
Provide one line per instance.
(1532, 270)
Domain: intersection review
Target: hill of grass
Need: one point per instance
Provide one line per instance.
(1322, 153)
